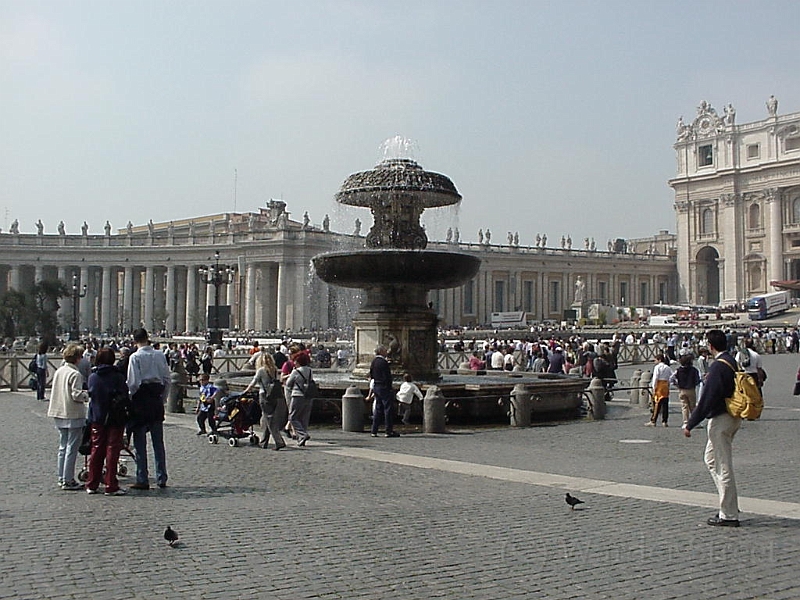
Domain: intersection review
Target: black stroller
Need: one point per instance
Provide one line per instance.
(235, 417)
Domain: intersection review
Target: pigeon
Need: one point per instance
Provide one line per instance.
(571, 500)
(170, 536)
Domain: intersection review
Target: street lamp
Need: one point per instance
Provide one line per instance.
(75, 335)
(216, 275)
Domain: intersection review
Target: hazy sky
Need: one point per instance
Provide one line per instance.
(553, 117)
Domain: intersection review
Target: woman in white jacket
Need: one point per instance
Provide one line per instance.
(67, 406)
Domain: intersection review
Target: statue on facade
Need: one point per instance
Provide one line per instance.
(39, 227)
(586, 243)
(14, 226)
(488, 237)
(580, 288)
(306, 220)
(212, 228)
(129, 228)
(456, 235)
(510, 238)
(516, 238)
(170, 229)
(85, 229)
(544, 240)
(684, 131)
(569, 242)
(357, 230)
(61, 229)
(191, 228)
(107, 228)
(564, 242)
(326, 224)
(538, 239)
(772, 106)
(449, 237)
(610, 246)
(283, 220)
(730, 115)
(593, 246)
(480, 236)
(151, 228)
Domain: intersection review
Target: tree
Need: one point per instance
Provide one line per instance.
(32, 313)
(14, 313)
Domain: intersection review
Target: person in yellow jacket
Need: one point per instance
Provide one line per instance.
(660, 390)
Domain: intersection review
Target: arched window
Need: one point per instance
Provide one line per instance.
(754, 216)
(755, 277)
(796, 210)
(707, 221)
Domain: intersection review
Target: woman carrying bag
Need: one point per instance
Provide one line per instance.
(271, 398)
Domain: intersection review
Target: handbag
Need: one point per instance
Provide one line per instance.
(796, 391)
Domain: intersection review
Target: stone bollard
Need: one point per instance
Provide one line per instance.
(14, 374)
(353, 410)
(520, 406)
(433, 406)
(598, 392)
(175, 396)
(644, 384)
(634, 384)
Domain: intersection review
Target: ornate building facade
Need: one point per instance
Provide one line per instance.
(737, 201)
(150, 275)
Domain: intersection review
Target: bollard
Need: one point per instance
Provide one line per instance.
(14, 374)
(433, 406)
(520, 406)
(175, 396)
(634, 385)
(644, 384)
(598, 392)
(353, 410)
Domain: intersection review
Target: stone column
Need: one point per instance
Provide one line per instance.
(250, 297)
(62, 316)
(170, 304)
(231, 298)
(149, 297)
(286, 276)
(127, 300)
(191, 298)
(15, 278)
(113, 299)
(136, 314)
(775, 236)
(180, 299)
(105, 300)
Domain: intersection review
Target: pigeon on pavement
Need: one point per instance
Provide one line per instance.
(572, 501)
(170, 536)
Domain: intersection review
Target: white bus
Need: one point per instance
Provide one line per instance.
(768, 305)
(509, 320)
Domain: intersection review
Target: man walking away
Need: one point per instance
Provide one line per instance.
(381, 375)
(722, 427)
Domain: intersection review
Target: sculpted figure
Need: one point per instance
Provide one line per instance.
(480, 236)
(580, 288)
(456, 235)
(326, 223)
(150, 227)
(107, 228)
(170, 229)
(306, 220)
(772, 106)
(544, 240)
(569, 242)
(39, 227)
(516, 238)
(15, 226)
(449, 237)
(85, 228)
(129, 228)
(357, 230)
(488, 237)
(61, 229)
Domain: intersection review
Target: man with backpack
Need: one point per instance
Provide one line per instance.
(722, 427)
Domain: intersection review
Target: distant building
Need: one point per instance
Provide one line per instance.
(737, 202)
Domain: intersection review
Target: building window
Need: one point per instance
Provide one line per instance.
(707, 221)
(753, 151)
(555, 300)
(527, 296)
(754, 216)
(499, 296)
(602, 291)
(469, 298)
(705, 156)
(792, 143)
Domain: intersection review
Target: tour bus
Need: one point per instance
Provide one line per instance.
(768, 305)
(509, 320)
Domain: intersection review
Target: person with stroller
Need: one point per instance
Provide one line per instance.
(205, 406)
(271, 398)
(148, 383)
(68, 408)
(296, 384)
(108, 390)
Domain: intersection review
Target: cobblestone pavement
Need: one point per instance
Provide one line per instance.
(468, 514)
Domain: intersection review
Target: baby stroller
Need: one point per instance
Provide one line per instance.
(85, 449)
(235, 417)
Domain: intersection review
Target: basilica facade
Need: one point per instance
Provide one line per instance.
(737, 201)
(156, 275)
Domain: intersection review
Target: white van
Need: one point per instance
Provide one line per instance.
(662, 321)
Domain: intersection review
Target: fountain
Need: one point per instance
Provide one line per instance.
(395, 269)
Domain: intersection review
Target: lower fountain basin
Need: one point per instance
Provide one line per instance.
(364, 269)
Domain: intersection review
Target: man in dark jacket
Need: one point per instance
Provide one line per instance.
(380, 374)
(721, 427)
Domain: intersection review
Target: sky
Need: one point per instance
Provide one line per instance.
(549, 117)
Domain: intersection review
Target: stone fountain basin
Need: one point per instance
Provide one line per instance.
(370, 268)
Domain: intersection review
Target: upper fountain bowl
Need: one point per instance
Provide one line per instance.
(396, 177)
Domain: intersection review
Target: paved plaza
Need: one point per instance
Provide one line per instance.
(476, 513)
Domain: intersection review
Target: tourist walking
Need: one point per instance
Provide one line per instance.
(206, 404)
(660, 386)
(298, 385)
(107, 426)
(41, 370)
(68, 408)
(148, 383)
(750, 362)
(381, 375)
(686, 379)
(271, 398)
(722, 428)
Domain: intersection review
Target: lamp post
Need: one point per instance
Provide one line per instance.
(74, 334)
(216, 275)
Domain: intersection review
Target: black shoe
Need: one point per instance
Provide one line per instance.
(140, 486)
(162, 485)
(279, 447)
(391, 434)
(716, 521)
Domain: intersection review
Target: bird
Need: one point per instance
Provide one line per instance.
(572, 501)
(170, 536)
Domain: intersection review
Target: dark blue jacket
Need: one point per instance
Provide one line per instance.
(103, 383)
(381, 373)
(718, 386)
